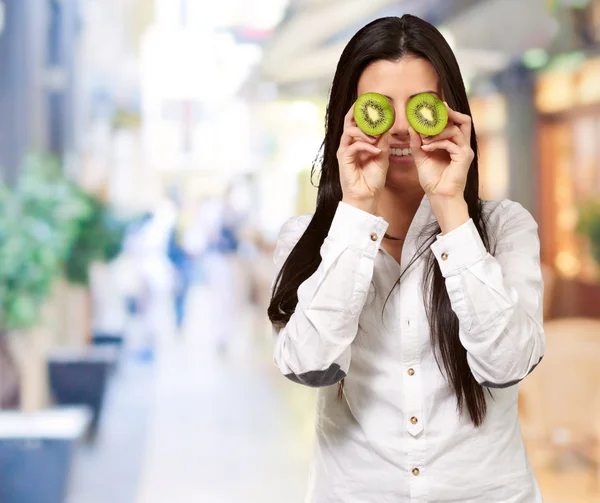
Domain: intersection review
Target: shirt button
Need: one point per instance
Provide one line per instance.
(444, 256)
(374, 237)
(411, 372)
(415, 472)
(414, 420)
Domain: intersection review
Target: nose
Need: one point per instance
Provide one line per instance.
(400, 126)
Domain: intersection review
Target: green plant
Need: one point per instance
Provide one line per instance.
(98, 237)
(36, 233)
(48, 225)
(589, 224)
(49, 197)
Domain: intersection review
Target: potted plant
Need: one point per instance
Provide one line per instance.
(99, 240)
(36, 232)
(9, 373)
(79, 374)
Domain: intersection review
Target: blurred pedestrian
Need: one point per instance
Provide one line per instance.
(221, 265)
(148, 247)
(183, 267)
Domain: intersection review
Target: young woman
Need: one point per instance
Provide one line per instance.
(413, 305)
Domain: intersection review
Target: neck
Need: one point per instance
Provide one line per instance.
(398, 207)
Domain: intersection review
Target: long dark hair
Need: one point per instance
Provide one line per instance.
(391, 38)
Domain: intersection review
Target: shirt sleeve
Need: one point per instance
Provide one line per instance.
(498, 299)
(314, 347)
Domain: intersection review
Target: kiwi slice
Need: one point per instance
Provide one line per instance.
(373, 113)
(427, 114)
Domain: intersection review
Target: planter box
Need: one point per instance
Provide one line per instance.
(79, 376)
(36, 451)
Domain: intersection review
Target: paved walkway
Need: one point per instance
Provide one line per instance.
(225, 428)
(108, 470)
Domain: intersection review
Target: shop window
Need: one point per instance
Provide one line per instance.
(569, 169)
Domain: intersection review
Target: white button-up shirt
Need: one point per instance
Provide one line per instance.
(396, 436)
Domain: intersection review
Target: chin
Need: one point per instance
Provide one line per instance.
(402, 175)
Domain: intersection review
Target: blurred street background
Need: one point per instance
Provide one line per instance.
(150, 150)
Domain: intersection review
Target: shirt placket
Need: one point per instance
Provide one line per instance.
(413, 389)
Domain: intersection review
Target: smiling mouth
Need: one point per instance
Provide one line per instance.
(400, 152)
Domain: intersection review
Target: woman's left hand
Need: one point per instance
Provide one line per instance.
(443, 161)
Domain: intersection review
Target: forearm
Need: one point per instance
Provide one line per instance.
(497, 299)
(450, 213)
(314, 347)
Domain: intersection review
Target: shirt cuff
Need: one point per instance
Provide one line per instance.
(357, 228)
(458, 249)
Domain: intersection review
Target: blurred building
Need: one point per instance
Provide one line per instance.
(24, 95)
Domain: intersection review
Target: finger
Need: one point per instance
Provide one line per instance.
(457, 117)
(415, 140)
(355, 133)
(349, 118)
(415, 146)
(463, 121)
(351, 131)
(383, 142)
(359, 146)
(447, 145)
(453, 133)
(346, 140)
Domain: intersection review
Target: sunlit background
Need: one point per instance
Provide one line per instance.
(135, 354)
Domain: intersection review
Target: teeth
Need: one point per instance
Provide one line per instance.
(399, 152)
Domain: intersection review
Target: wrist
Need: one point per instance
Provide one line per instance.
(450, 212)
(368, 205)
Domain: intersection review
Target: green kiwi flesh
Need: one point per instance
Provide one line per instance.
(373, 113)
(427, 114)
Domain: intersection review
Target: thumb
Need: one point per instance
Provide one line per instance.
(415, 146)
(384, 143)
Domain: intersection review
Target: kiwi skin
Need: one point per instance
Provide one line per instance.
(427, 114)
(381, 107)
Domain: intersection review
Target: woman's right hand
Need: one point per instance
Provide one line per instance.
(363, 163)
